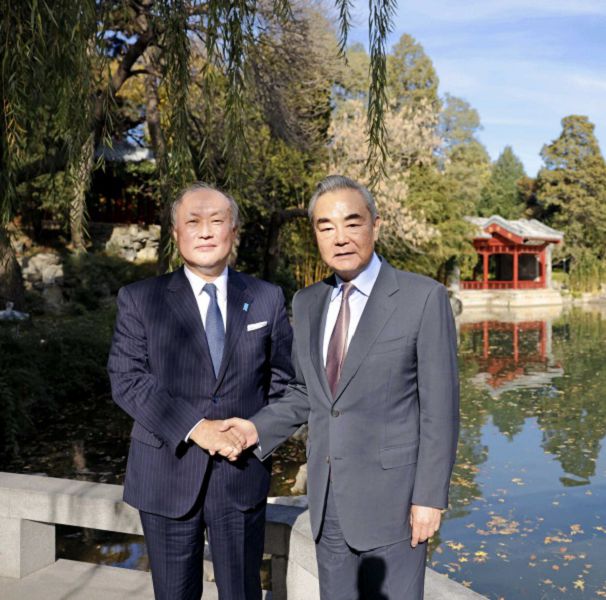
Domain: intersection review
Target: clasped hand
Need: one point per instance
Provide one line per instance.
(228, 438)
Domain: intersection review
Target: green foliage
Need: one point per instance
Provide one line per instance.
(411, 74)
(467, 172)
(587, 272)
(352, 77)
(430, 195)
(463, 158)
(48, 363)
(571, 188)
(91, 280)
(501, 195)
(459, 122)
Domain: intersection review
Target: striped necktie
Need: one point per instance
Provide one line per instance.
(215, 331)
(337, 346)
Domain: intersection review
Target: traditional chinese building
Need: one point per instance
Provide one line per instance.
(514, 254)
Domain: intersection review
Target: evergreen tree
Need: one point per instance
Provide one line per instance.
(462, 157)
(467, 171)
(459, 122)
(571, 187)
(501, 195)
(411, 76)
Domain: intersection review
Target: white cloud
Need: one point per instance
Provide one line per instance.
(523, 64)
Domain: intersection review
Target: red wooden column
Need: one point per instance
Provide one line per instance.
(485, 256)
(515, 268)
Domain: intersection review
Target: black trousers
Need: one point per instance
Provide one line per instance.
(176, 546)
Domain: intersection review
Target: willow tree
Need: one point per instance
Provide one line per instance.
(59, 88)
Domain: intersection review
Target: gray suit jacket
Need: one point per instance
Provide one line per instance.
(389, 436)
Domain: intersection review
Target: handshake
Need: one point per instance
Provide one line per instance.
(229, 438)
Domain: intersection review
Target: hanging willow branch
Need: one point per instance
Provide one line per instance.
(344, 7)
(380, 24)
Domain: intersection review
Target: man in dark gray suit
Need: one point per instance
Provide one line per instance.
(376, 380)
(191, 348)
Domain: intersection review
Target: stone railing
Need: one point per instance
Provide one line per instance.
(31, 506)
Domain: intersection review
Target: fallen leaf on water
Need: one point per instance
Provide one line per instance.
(576, 528)
(579, 584)
(455, 545)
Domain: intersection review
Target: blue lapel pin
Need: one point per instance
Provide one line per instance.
(245, 307)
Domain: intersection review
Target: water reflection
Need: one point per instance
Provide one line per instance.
(528, 503)
(528, 500)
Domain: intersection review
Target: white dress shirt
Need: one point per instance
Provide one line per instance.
(203, 300)
(358, 298)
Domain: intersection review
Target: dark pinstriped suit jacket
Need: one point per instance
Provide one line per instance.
(161, 375)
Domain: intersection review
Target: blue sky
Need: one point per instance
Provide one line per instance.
(523, 64)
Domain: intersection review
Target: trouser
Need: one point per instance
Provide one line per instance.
(176, 547)
(394, 572)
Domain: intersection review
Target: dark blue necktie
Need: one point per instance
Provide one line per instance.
(215, 332)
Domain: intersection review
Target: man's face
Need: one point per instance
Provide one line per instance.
(203, 232)
(345, 232)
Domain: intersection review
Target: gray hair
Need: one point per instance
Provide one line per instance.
(333, 183)
(200, 185)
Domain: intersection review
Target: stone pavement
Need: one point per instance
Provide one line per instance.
(71, 580)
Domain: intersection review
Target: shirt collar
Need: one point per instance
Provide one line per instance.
(365, 281)
(197, 283)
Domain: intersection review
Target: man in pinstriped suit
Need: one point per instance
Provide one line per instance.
(191, 348)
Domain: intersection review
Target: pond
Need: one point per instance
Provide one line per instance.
(528, 499)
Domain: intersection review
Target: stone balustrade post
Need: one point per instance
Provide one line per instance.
(25, 546)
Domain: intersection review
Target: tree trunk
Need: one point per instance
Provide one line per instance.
(80, 180)
(272, 247)
(11, 281)
(158, 142)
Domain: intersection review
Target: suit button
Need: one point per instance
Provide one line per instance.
(215, 399)
(335, 413)
(328, 459)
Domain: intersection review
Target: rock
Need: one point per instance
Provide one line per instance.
(147, 254)
(53, 298)
(300, 485)
(52, 274)
(134, 242)
(42, 270)
(300, 434)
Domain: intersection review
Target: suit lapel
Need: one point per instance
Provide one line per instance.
(237, 297)
(318, 309)
(181, 299)
(379, 308)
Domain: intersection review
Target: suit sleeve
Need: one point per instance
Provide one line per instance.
(438, 388)
(277, 421)
(280, 354)
(135, 389)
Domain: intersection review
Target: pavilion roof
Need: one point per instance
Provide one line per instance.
(528, 229)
